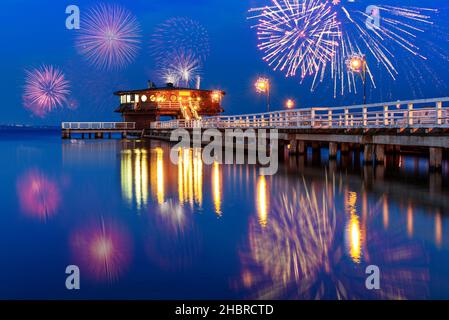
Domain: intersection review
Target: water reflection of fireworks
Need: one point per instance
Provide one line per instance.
(103, 249)
(173, 240)
(38, 195)
(299, 254)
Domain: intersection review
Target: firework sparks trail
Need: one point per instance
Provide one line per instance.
(180, 34)
(182, 67)
(109, 37)
(45, 90)
(318, 36)
(296, 35)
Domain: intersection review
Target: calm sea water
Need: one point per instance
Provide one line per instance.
(139, 226)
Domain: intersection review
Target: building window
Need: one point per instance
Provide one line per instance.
(136, 98)
(128, 98)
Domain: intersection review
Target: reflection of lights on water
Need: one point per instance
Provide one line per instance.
(410, 219)
(355, 238)
(216, 187)
(353, 230)
(350, 202)
(198, 176)
(299, 253)
(126, 175)
(103, 250)
(262, 205)
(385, 212)
(38, 195)
(134, 176)
(190, 176)
(438, 229)
(173, 214)
(160, 175)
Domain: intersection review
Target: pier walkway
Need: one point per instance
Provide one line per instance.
(377, 128)
(98, 130)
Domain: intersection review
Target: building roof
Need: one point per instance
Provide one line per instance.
(166, 88)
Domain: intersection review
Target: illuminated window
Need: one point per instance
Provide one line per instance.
(144, 98)
(136, 98)
(128, 98)
(122, 99)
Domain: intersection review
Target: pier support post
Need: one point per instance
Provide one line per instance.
(344, 148)
(368, 154)
(333, 148)
(301, 147)
(380, 154)
(293, 147)
(436, 158)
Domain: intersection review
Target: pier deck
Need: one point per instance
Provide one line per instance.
(377, 128)
(98, 130)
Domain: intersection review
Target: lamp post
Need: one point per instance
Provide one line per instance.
(357, 63)
(263, 86)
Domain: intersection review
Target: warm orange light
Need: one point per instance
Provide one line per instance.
(216, 96)
(262, 85)
(356, 63)
(290, 104)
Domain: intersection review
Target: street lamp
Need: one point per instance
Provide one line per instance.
(263, 87)
(290, 104)
(357, 64)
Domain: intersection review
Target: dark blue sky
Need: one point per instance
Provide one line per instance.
(33, 33)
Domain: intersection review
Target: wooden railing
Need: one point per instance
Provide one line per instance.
(98, 125)
(428, 113)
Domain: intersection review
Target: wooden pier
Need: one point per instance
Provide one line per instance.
(377, 129)
(98, 130)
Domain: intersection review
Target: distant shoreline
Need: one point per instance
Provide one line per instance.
(27, 127)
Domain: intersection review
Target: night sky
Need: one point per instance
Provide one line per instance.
(34, 33)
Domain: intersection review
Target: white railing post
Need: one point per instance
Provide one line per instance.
(410, 114)
(386, 115)
(439, 113)
(312, 117)
(346, 117)
(365, 116)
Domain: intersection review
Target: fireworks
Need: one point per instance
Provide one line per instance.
(45, 90)
(181, 67)
(180, 46)
(38, 195)
(180, 34)
(109, 37)
(297, 35)
(316, 37)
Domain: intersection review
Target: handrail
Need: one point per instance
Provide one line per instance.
(397, 114)
(98, 125)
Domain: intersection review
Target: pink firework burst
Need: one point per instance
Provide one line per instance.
(109, 37)
(45, 90)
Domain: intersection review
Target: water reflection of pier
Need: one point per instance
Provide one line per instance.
(148, 174)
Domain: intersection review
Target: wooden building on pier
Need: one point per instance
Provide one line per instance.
(147, 105)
